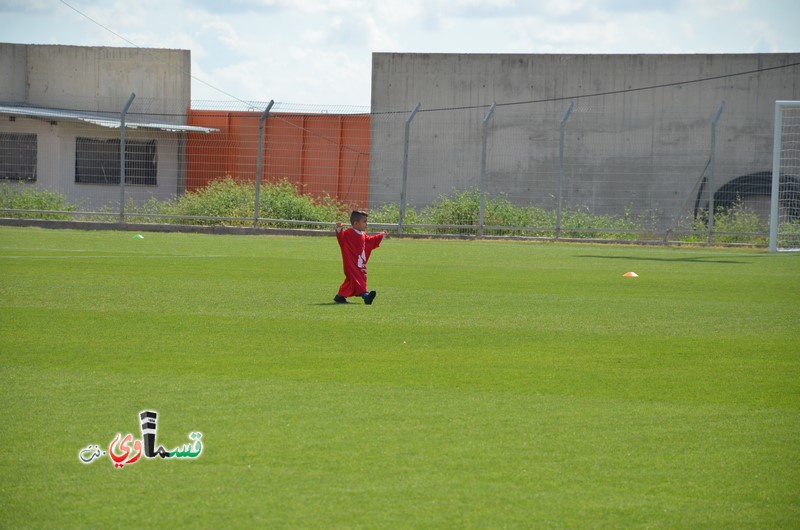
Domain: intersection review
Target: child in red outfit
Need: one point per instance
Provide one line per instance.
(356, 247)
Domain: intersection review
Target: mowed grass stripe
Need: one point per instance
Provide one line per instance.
(321, 454)
(491, 384)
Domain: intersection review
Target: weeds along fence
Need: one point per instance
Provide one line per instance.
(564, 170)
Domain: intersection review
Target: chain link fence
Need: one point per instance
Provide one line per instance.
(557, 170)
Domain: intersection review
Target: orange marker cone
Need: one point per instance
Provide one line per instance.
(630, 275)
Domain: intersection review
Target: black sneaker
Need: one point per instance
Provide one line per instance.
(340, 299)
(369, 297)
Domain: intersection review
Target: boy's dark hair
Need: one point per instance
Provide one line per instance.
(357, 215)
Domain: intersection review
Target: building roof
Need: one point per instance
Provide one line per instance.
(97, 118)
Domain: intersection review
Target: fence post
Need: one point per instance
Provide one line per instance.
(405, 170)
(482, 183)
(122, 158)
(774, 210)
(260, 160)
(560, 192)
(712, 163)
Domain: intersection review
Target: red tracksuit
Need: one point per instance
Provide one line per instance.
(356, 247)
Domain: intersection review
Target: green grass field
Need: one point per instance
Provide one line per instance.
(491, 384)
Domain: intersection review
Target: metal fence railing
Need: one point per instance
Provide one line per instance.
(561, 170)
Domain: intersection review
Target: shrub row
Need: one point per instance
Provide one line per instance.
(30, 200)
(229, 202)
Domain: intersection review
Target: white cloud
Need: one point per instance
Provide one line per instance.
(564, 8)
(224, 33)
(319, 51)
(26, 6)
(714, 8)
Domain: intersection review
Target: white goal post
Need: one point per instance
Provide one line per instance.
(784, 225)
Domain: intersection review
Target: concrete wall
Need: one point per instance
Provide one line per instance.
(624, 147)
(97, 79)
(13, 68)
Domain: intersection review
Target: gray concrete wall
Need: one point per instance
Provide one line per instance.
(95, 78)
(624, 147)
(13, 65)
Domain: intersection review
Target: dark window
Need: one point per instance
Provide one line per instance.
(97, 161)
(17, 156)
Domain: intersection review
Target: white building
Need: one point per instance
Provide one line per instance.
(60, 114)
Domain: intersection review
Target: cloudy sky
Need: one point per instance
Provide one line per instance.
(319, 52)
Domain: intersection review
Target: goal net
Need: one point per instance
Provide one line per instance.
(784, 233)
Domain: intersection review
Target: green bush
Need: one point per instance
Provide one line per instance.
(500, 211)
(740, 220)
(463, 209)
(20, 196)
(282, 200)
(150, 211)
(736, 224)
(223, 198)
(390, 214)
(227, 201)
(791, 228)
(581, 224)
(789, 234)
